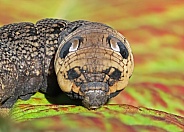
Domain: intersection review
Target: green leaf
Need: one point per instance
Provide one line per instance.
(107, 118)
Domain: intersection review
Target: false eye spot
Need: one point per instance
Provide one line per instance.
(114, 45)
(65, 49)
(123, 50)
(70, 46)
(75, 45)
(118, 46)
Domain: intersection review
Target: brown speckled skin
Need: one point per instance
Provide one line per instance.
(30, 52)
(26, 51)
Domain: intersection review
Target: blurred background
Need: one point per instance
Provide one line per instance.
(154, 29)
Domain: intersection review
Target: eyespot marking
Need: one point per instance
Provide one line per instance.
(114, 45)
(118, 46)
(65, 49)
(75, 45)
(70, 46)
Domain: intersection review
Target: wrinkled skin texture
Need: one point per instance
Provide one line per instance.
(88, 60)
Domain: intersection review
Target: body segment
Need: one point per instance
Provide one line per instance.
(26, 51)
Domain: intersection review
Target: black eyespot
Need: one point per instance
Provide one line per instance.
(123, 50)
(70, 46)
(118, 46)
(116, 74)
(65, 49)
(73, 73)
